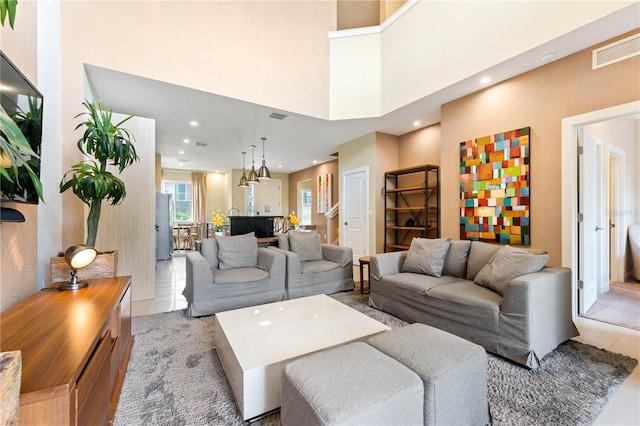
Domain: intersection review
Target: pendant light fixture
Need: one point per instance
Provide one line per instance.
(263, 173)
(253, 176)
(243, 180)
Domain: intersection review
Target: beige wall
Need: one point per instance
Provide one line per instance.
(312, 173)
(357, 13)
(539, 99)
(419, 147)
(19, 241)
(388, 7)
(387, 156)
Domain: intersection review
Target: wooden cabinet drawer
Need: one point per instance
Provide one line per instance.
(94, 386)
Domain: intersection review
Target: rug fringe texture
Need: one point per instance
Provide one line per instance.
(175, 378)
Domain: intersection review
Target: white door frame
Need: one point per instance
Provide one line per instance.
(569, 151)
(616, 210)
(592, 246)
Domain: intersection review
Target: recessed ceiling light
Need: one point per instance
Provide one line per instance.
(485, 80)
(193, 123)
(181, 152)
(547, 57)
(279, 166)
(315, 161)
(416, 123)
(180, 164)
(185, 140)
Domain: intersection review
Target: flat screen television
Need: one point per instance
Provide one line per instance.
(261, 225)
(23, 103)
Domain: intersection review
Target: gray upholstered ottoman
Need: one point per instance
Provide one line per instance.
(454, 372)
(352, 384)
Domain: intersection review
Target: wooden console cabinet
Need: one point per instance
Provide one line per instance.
(75, 350)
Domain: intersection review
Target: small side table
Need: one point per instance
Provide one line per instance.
(365, 261)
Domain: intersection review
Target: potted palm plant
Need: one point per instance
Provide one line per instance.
(108, 144)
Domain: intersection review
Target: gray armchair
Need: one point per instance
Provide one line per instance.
(314, 268)
(210, 289)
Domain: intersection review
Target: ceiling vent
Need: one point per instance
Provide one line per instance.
(202, 144)
(616, 52)
(278, 116)
(183, 160)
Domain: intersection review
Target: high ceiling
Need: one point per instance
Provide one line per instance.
(227, 126)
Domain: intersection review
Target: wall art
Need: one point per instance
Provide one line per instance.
(494, 188)
(324, 193)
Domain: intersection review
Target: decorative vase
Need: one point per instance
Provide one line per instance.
(219, 233)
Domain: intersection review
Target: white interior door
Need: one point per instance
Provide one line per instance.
(354, 217)
(590, 227)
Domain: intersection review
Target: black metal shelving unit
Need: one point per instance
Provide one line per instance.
(411, 205)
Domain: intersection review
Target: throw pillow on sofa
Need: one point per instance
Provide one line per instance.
(507, 264)
(455, 264)
(237, 251)
(306, 245)
(426, 256)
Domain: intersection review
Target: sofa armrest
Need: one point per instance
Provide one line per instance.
(337, 254)
(292, 260)
(198, 273)
(540, 290)
(386, 264)
(271, 260)
(539, 304)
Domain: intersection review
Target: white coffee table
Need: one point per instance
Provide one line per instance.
(255, 343)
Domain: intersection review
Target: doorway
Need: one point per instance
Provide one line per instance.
(304, 188)
(615, 193)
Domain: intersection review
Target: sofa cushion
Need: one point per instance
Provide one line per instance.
(319, 266)
(479, 255)
(239, 275)
(508, 263)
(306, 245)
(209, 251)
(237, 251)
(426, 256)
(415, 283)
(455, 264)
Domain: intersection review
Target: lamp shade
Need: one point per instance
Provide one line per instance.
(253, 176)
(243, 180)
(263, 172)
(79, 256)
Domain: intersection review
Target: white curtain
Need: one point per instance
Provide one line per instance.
(198, 200)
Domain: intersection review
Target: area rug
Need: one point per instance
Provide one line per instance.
(175, 378)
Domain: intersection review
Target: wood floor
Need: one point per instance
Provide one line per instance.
(620, 305)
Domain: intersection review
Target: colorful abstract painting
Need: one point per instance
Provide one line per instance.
(494, 188)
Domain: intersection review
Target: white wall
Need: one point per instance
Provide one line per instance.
(621, 134)
(50, 85)
(130, 226)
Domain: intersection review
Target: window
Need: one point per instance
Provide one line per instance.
(181, 195)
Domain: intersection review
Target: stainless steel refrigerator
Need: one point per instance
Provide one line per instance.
(164, 226)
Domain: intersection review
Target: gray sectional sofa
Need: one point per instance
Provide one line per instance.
(481, 292)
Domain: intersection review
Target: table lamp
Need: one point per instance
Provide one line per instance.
(77, 256)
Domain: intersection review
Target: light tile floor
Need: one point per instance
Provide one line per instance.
(623, 408)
